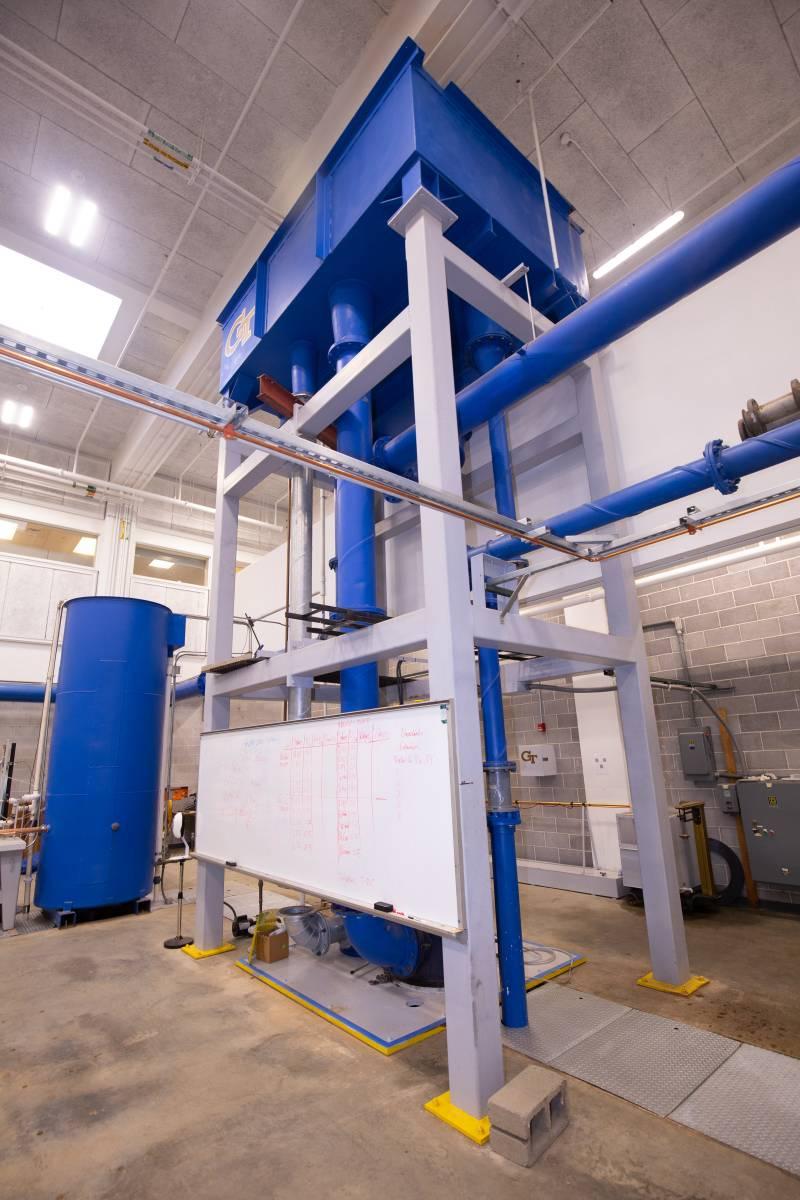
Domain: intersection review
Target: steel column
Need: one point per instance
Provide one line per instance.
(299, 550)
(665, 929)
(209, 909)
(473, 1021)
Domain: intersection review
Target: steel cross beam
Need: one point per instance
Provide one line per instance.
(99, 379)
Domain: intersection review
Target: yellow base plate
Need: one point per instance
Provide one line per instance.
(675, 989)
(193, 951)
(475, 1128)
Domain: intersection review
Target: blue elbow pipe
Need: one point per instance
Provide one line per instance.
(188, 688)
(753, 221)
(721, 467)
(351, 312)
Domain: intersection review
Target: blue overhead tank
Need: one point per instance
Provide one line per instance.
(101, 805)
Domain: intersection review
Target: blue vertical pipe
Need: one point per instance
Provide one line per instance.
(303, 366)
(488, 347)
(351, 317)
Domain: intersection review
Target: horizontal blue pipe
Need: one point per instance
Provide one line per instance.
(33, 693)
(721, 467)
(753, 221)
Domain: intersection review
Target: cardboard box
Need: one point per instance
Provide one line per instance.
(271, 947)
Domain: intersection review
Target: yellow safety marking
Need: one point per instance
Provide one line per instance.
(326, 1016)
(475, 1128)
(675, 989)
(193, 951)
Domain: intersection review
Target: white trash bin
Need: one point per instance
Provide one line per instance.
(11, 852)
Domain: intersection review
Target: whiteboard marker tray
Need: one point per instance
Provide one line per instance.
(386, 1016)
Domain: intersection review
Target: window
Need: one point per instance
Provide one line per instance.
(168, 566)
(33, 539)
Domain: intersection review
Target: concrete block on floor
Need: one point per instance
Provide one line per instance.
(528, 1114)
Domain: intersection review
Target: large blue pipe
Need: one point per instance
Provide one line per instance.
(351, 317)
(721, 467)
(33, 693)
(488, 346)
(753, 221)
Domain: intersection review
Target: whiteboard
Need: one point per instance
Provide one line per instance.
(358, 808)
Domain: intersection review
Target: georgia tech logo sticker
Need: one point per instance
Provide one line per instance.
(240, 331)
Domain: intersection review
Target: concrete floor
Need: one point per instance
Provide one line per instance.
(132, 1072)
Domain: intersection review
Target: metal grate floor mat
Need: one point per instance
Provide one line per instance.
(560, 1017)
(649, 1060)
(751, 1103)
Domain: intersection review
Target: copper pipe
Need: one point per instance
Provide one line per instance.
(566, 804)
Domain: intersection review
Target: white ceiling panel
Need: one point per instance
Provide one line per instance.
(515, 63)
(128, 253)
(664, 10)
(785, 9)
(273, 13)
(165, 15)
(129, 49)
(123, 195)
(332, 33)
(792, 31)
(19, 128)
(228, 39)
(554, 100)
(264, 145)
(556, 23)
(627, 74)
(42, 14)
(736, 58)
(22, 202)
(295, 92)
(575, 176)
(683, 155)
(189, 283)
(770, 157)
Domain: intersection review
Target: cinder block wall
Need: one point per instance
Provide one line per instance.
(742, 630)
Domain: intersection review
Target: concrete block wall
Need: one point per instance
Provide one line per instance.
(742, 630)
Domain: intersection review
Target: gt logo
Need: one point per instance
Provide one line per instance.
(529, 756)
(240, 331)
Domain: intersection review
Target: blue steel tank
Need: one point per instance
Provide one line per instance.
(105, 753)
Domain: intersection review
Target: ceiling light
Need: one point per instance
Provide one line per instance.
(87, 546)
(7, 530)
(52, 306)
(83, 222)
(57, 209)
(663, 226)
(12, 413)
(162, 564)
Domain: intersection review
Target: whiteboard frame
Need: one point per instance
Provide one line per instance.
(346, 901)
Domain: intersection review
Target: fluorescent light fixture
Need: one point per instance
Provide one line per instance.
(162, 564)
(57, 209)
(652, 234)
(7, 530)
(82, 223)
(86, 545)
(8, 413)
(52, 306)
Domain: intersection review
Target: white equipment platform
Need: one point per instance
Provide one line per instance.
(386, 1016)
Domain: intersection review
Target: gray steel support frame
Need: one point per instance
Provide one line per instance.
(209, 909)
(299, 570)
(474, 1051)
(665, 929)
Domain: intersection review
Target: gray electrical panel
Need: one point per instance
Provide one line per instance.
(697, 754)
(771, 818)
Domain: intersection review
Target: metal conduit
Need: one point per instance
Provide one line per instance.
(753, 221)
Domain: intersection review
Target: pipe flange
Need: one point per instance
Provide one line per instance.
(505, 816)
(500, 766)
(712, 455)
(345, 346)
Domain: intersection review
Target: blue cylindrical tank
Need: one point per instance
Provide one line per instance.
(105, 754)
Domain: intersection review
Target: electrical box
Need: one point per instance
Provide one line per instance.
(538, 760)
(697, 754)
(771, 818)
(685, 855)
